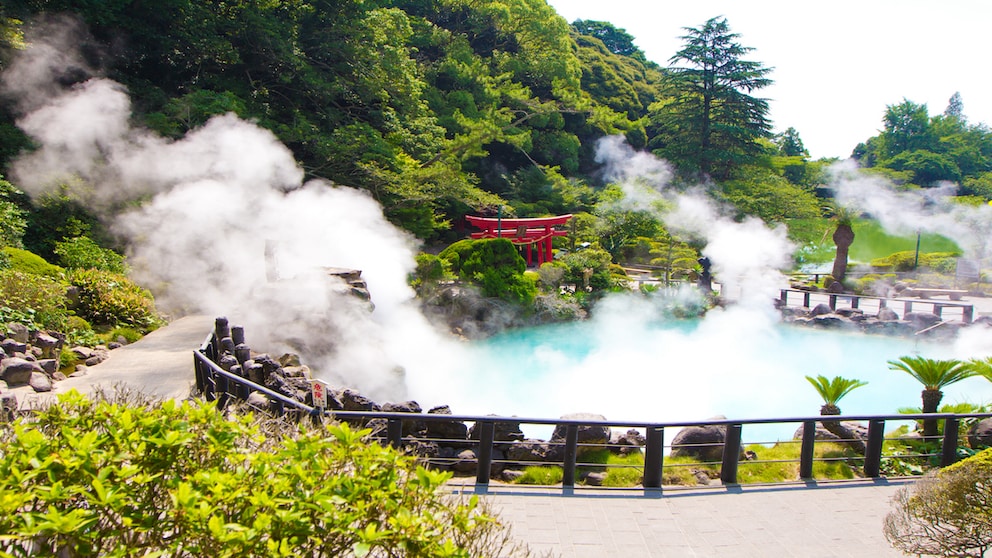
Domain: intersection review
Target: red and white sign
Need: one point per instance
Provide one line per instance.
(318, 388)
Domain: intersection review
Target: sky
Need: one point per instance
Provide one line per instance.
(836, 65)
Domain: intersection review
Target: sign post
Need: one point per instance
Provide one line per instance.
(318, 388)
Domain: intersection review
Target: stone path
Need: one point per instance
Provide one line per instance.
(842, 519)
(159, 364)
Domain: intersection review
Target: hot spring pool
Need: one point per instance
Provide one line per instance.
(628, 365)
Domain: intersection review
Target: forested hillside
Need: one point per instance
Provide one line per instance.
(439, 108)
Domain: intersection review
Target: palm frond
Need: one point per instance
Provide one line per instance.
(934, 374)
(833, 390)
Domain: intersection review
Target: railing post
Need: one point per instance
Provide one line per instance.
(873, 449)
(806, 454)
(485, 457)
(571, 453)
(949, 451)
(222, 395)
(654, 456)
(833, 302)
(968, 313)
(907, 307)
(731, 454)
(938, 309)
(198, 373)
(394, 432)
(806, 299)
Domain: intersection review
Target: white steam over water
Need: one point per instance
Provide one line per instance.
(213, 200)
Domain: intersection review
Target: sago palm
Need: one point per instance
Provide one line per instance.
(832, 391)
(934, 374)
(981, 367)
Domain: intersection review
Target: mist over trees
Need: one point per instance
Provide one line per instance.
(439, 108)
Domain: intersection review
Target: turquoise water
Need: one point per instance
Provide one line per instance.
(629, 365)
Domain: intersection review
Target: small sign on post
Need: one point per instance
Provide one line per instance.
(318, 388)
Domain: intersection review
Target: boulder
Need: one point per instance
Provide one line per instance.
(49, 345)
(13, 347)
(351, 400)
(40, 382)
(17, 371)
(921, 320)
(534, 452)
(629, 442)
(49, 365)
(410, 427)
(465, 462)
(704, 443)
(832, 321)
(820, 310)
(852, 434)
(18, 332)
(594, 478)
(504, 431)
(850, 313)
(887, 314)
(589, 435)
(445, 431)
(980, 434)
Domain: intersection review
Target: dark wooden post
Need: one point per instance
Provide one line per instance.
(486, 434)
(394, 432)
(873, 449)
(949, 450)
(806, 454)
(571, 453)
(654, 456)
(806, 299)
(731, 454)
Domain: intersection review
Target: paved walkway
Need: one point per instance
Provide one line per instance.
(827, 520)
(160, 364)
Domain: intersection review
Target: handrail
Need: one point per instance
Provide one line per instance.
(217, 384)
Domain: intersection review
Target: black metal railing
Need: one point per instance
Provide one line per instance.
(489, 451)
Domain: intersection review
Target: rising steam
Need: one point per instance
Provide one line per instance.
(211, 202)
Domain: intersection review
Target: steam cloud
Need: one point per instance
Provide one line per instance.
(213, 200)
(908, 211)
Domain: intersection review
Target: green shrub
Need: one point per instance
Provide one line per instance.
(107, 298)
(128, 333)
(28, 262)
(121, 479)
(68, 359)
(942, 262)
(947, 512)
(494, 265)
(429, 272)
(34, 300)
(82, 253)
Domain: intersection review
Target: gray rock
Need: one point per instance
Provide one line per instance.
(351, 400)
(887, 315)
(49, 365)
(534, 452)
(446, 431)
(629, 442)
(504, 431)
(921, 320)
(18, 332)
(40, 382)
(704, 443)
(820, 310)
(410, 427)
(588, 435)
(48, 344)
(465, 462)
(980, 434)
(511, 475)
(594, 478)
(17, 371)
(12, 346)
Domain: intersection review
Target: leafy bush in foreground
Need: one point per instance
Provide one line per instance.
(947, 512)
(120, 479)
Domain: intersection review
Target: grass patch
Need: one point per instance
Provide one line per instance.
(541, 475)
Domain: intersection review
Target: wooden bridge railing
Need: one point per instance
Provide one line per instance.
(856, 301)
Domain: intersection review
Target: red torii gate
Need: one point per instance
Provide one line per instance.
(530, 232)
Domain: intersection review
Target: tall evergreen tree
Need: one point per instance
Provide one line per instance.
(713, 121)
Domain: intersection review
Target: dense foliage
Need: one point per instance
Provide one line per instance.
(127, 479)
(916, 148)
(947, 512)
(494, 265)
